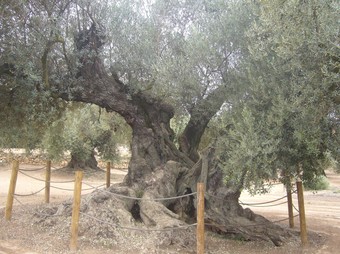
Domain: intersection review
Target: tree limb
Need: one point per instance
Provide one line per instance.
(205, 109)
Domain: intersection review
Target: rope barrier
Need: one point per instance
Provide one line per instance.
(66, 189)
(69, 181)
(31, 170)
(94, 187)
(146, 199)
(27, 195)
(18, 200)
(262, 203)
(139, 229)
(55, 168)
(285, 202)
(276, 221)
(296, 208)
(42, 180)
(59, 188)
(173, 228)
(180, 227)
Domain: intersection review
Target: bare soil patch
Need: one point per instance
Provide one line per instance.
(24, 234)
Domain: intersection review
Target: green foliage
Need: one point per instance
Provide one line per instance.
(317, 183)
(297, 40)
(25, 114)
(26, 107)
(247, 149)
(84, 128)
(283, 120)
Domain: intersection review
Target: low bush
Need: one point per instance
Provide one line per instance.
(317, 183)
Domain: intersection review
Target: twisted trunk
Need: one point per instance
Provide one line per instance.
(157, 167)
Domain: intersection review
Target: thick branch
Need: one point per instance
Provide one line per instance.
(200, 117)
(105, 92)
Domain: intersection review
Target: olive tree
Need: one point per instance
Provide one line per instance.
(85, 131)
(148, 62)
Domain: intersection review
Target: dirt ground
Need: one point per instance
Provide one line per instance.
(23, 235)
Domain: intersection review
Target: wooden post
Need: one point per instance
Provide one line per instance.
(108, 174)
(48, 182)
(303, 227)
(76, 210)
(205, 169)
(200, 218)
(290, 205)
(11, 190)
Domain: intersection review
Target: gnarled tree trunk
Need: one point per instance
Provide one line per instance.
(158, 168)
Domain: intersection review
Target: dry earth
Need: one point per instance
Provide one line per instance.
(23, 235)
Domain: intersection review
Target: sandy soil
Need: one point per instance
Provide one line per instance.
(21, 235)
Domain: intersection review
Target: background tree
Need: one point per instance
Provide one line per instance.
(86, 131)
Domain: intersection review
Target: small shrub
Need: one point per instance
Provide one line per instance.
(317, 183)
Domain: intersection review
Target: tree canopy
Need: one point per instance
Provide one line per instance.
(288, 116)
(275, 63)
